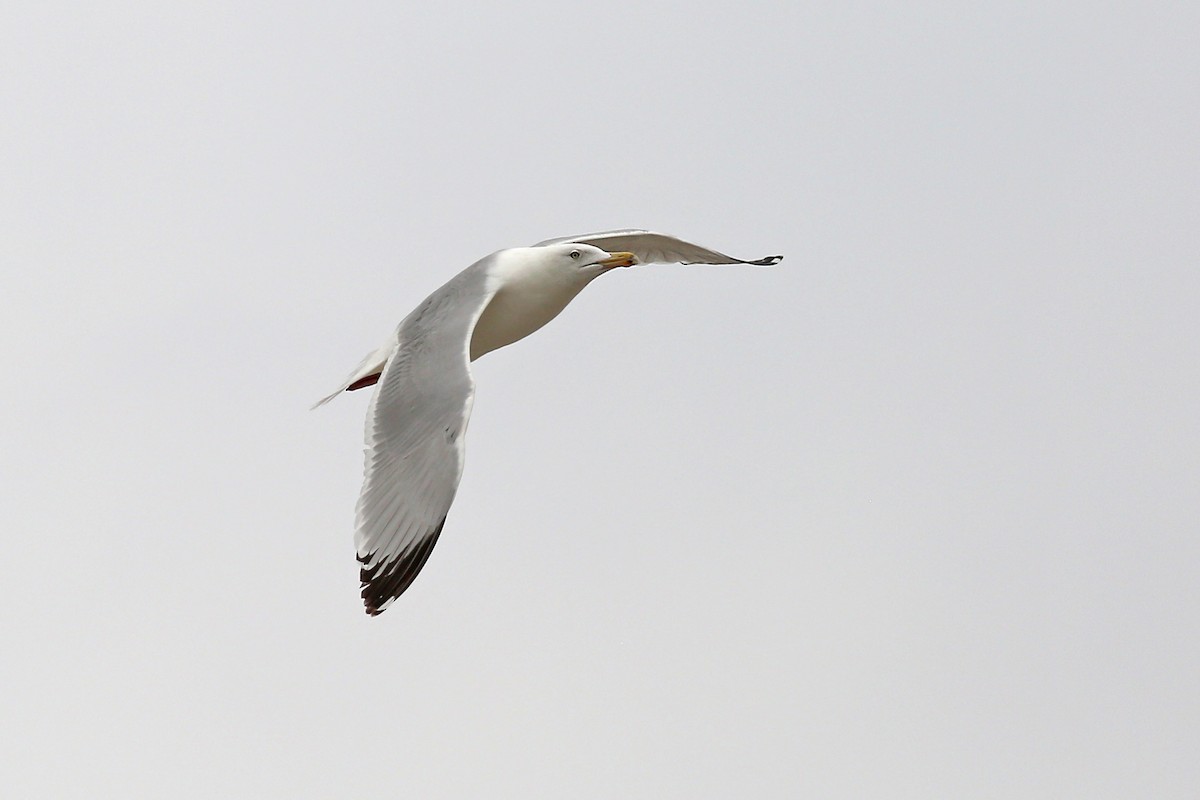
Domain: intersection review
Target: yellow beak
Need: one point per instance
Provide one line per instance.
(621, 259)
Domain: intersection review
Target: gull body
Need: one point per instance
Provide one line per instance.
(418, 414)
(531, 290)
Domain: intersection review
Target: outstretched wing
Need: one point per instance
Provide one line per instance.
(415, 428)
(650, 248)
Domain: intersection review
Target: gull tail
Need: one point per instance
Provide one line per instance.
(365, 374)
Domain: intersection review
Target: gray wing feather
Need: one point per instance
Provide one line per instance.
(415, 428)
(657, 248)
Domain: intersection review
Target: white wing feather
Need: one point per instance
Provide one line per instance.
(658, 248)
(415, 432)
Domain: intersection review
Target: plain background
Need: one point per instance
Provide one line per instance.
(912, 515)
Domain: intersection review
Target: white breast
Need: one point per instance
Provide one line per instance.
(532, 292)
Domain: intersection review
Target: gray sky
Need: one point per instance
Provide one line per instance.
(912, 515)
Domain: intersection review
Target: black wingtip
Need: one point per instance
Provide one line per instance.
(768, 261)
(386, 581)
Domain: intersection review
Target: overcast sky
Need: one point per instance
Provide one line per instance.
(913, 515)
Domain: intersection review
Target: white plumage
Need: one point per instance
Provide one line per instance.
(418, 415)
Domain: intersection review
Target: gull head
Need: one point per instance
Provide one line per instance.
(585, 260)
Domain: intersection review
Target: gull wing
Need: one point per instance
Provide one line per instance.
(415, 432)
(658, 248)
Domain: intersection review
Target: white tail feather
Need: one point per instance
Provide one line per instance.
(373, 364)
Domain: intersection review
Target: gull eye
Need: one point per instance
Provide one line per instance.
(575, 254)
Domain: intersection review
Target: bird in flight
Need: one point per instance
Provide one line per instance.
(424, 390)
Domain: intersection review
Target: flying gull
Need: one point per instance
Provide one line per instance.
(418, 415)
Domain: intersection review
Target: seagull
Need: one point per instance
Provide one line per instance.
(418, 414)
